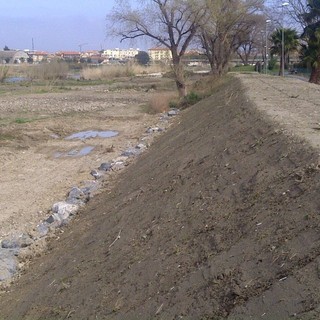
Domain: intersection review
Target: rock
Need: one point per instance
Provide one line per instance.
(8, 264)
(42, 229)
(53, 218)
(173, 112)
(154, 129)
(90, 188)
(17, 241)
(64, 209)
(96, 174)
(120, 159)
(76, 196)
(118, 166)
(9, 244)
(105, 166)
(141, 146)
(132, 152)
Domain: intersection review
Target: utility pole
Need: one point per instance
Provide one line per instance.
(81, 45)
(282, 39)
(266, 60)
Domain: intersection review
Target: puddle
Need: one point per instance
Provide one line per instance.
(15, 79)
(92, 134)
(74, 152)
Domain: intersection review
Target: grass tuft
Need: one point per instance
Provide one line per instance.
(161, 102)
(22, 120)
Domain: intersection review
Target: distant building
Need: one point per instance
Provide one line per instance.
(38, 56)
(120, 54)
(69, 55)
(95, 59)
(92, 56)
(194, 58)
(160, 54)
(13, 56)
(90, 53)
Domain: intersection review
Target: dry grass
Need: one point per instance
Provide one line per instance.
(108, 72)
(205, 85)
(162, 101)
(3, 72)
(49, 71)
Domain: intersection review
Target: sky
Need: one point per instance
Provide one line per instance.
(56, 25)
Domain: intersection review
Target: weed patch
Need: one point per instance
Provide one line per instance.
(161, 102)
(6, 137)
(22, 120)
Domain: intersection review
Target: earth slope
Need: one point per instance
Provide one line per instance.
(219, 219)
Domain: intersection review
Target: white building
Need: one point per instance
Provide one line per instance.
(120, 54)
(160, 54)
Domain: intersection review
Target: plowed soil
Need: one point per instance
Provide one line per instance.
(219, 219)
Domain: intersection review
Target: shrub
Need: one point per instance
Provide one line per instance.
(272, 63)
(192, 98)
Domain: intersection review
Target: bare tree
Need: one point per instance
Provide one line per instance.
(296, 11)
(226, 22)
(169, 23)
(250, 40)
(289, 16)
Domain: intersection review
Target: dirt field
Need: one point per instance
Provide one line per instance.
(219, 219)
(38, 166)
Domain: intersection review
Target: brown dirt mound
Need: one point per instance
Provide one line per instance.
(219, 219)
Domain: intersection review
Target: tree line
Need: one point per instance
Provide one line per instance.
(221, 27)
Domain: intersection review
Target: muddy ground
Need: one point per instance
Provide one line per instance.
(219, 219)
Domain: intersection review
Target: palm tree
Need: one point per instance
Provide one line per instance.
(291, 43)
(311, 34)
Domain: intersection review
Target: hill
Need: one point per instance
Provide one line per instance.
(219, 219)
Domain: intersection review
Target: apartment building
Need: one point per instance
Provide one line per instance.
(120, 54)
(160, 54)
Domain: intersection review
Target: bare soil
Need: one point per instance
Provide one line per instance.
(37, 166)
(219, 219)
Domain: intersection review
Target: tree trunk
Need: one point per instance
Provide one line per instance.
(315, 75)
(281, 63)
(179, 78)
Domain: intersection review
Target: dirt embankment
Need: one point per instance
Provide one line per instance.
(219, 219)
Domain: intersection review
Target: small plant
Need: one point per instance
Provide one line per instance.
(22, 120)
(192, 98)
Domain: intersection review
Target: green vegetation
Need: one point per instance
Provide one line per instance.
(311, 34)
(291, 44)
(192, 98)
(242, 68)
(6, 137)
(142, 58)
(22, 120)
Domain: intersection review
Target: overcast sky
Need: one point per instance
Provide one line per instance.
(56, 25)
